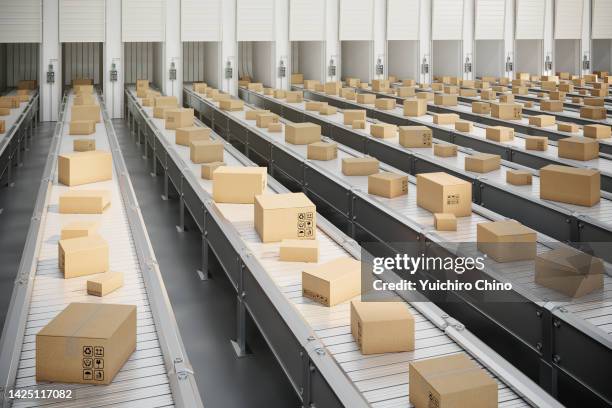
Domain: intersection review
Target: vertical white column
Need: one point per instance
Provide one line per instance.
(50, 94)
(509, 35)
(113, 54)
(549, 42)
(380, 38)
(332, 42)
(425, 39)
(585, 39)
(173, 50)
(281, 51)
(229, 47)
(468, 37)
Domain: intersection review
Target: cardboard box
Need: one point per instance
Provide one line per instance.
(208, 169)
(593, 112)
(428, 96)
(5, 111)
(332, 88)
(84, 202)
(285, 216)
(2, 126)
(482, 108)
(318, 87)
(79, 229)
(75, 169)
(548, 85)
(294, 96)
(366, 99)
(299, 250)
(482, 162)
(255, 87)
(488, 95)
(302, 133)
(252, 114)
(542, 120)
(464, 126)
(445, 118)
(104, 284)
(599, 92)
(527, 104)
(443, 193)
(445, 222)
(221, 97)
(556, 96)
(449, 382)
(147, 102)
(451, 89)
(206, 151)
(351, 115)
(415, 136)
(551, 106)
(380, 84)
(583, 92)
(578, 148)
(467, 83)
(84, 100)
(384, 103)
(389, 185)
(444, 150)
(333, 282)
(9, 102)
(415, 107)
(468, 93)
(186, 135)
(85, 112)
(86, 343)
(406, 91)
(359, 166)
(84, 145)
(594, 101)
(200, 87)
(167, 101)
(239, 185)
(445, 99)
(437, 87)
(262, 120)
(597, 131)
(508, 111)
(359, 124)
(297, 79)
(30, 84)
(346, 92)
(231, 104)
(82, 256)
(142, 84)
(520, 90)
(322, 151)
(518, 177)
(279, 93)
(83, 89)
(314, 105)
(179, 118)
(328, 110)
(567, 127)
(536, 143)
(82, 127)
(310, 84)
(506, 98)
(382, 327)
(383, 130)
(212, 92)
(569, 271)
(506, 241)
(570, 185)
(159, 112)
(275, 127)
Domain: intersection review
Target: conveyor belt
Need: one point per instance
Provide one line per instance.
(408, 217)
(157, 373)
(380, 380)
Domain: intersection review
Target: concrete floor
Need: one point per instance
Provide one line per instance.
(205, 311)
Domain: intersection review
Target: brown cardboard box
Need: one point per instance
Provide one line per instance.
(384, 103)
(212, 92)
(243, 83)
(84, 145)
(86, 343)
(231, 104)
(147, 102)
(5, 111)
(428, 96)
(583, 92)
(593, 112)
(467, 83)
(527, 104)
(520, 90)
(82, 256)
(30, 84)
(578, 148)
(445, 222)
(179, 118)
(322, 151)
(354, 82)
(556, 96)
(294, 96)
(9, 102)
(85, 112)
(302, 133)
(297, 79)
(314, 105)
(359, 124)
(567, 127)
(168, 101)
(318, 87)
(506, 110)
(569, 271)
(578, 100)
(221, 97)
(275, 127)
(506, 98)
(84, 100)
(464, 126)
(310, 84)
(437, 87)
(142, 84)
(599, 92)
(332, 88)
(285, 216)
(445, 118)
(185, 135)
(262, 120)
(518, 177)
(83, 89)
(415, 136)
(406, 91)
(382, 327)
(351, 115)
(75, 169)
(299, 250)
(443, 193)
(570, 185)
(383, 130)
(380, 84)
(366, 99)
(483, 108)
(389, 185)
(488, 95)
(255, 86)
(449, 382)
(333, 282)
(597, 131)
(445, 99)
(523, 76)
(482, 162)
(142, 93)
(78, 229)
(589, 78)
(82, 127)
(468, 93)
(359, 166)
(104, 284)
(451, 89)
(415, 107)
(279, 93)
(344, 92)
(2, 126)
(208, 169)
(566, 88)
(500, 133)
(22, 98)
(252, 114)
(536, 143)
(548, 85)
(594, 101)
(328, 110)
(159, 112)
(200, 87)
(84, 202)
(542, 120)
(506, 241)
(239, 185)
(551, 106)
(206, 151)
(444, 150)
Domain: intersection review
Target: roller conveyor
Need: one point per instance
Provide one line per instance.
(157, 373)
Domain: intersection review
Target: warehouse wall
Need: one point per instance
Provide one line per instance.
(528, 56)
(307, 57)
(567, 56)
(602, 55)
(201, 62)
(22, 62)
(356, 59)
(143, 61)
(82, 60)
(2, 68)
(447, 58)
(263, 62)
(489, 58)
(403, 59)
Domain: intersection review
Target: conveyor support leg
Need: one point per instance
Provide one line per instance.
(203, 271)
(240, 343)
(180, 227)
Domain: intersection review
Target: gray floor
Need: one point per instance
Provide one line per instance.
(17, 205)
(205, 311)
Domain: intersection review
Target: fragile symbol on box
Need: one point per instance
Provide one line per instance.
(452, 199)
(99, 363)
(305, 225)
(433, 401)
(87, 375)
(87, 362)
(99, 375)
(87, 351)
(99, 351)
